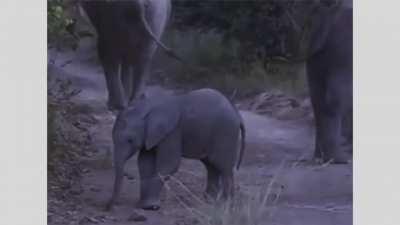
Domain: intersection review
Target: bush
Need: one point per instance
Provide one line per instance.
(60, 25)
(68, 135)
(217, 63)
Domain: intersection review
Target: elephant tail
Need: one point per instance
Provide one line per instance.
(242, 144)
(146, 25)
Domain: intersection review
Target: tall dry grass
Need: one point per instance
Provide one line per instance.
(245, 208)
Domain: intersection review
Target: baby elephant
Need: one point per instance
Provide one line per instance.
(201, 124)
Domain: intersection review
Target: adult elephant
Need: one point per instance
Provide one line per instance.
(128, 34)
(329, 63)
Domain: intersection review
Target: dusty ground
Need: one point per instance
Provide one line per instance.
(311, 195)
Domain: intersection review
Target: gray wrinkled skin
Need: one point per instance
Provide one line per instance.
(128, 34)
(330, 79)
(201, 124)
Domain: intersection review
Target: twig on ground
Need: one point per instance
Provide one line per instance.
(321, 208)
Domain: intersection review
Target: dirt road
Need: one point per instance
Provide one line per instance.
(311, 194)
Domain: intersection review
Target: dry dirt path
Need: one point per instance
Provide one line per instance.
(311, 194)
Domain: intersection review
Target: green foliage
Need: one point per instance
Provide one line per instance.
(59, 25)
(264, 28)
(216, 63)
(249, 22)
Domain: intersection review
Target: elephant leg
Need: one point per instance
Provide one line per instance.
(169, 153)
(330, 136)
(328, 122)
(318, 136)
(150, 182)
(227, 185)
(120, 159)
(333, 114)
(116, 98)
(347, 131)
(127, 79)
(213, 179)
(223, 155)
(141, 72)
(140, 78)
(137, 86)
(317, 92)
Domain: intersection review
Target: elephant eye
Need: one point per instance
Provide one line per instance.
(130, 141)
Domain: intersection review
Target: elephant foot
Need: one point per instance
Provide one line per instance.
(115, 108)
(337, 158)
(317, 155)
(109, 206)
(151, 207)
(137, 97)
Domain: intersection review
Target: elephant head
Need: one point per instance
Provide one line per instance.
(141, 128)
(307, 34)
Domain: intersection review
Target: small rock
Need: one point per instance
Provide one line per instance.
(101, 218)
(85, 170)
(137, 217)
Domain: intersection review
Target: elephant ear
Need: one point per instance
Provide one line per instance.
(160, 121)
